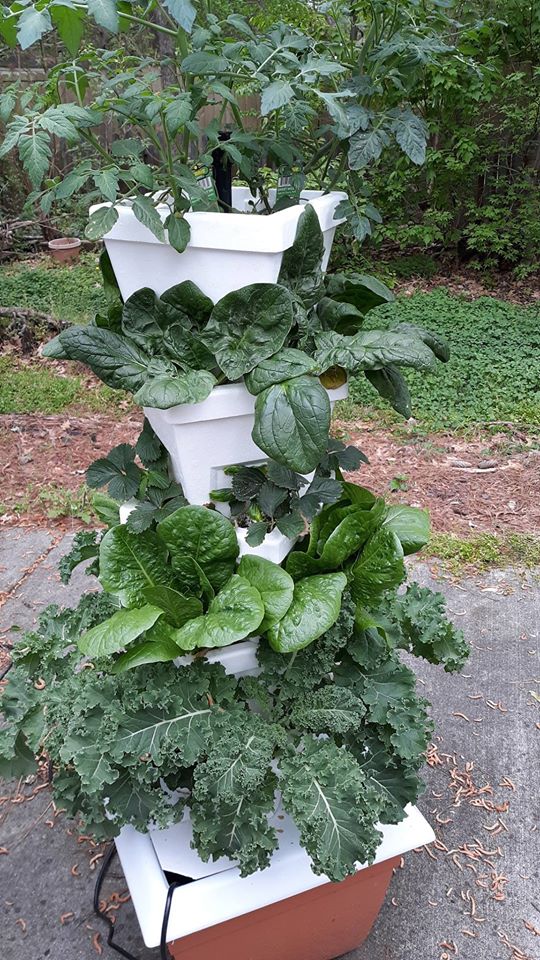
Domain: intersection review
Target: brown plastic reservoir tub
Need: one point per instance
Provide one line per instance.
(319, 924)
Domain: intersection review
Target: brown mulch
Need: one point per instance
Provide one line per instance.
(465, 282)
(490, 483)
(467, 485)
(46, 452)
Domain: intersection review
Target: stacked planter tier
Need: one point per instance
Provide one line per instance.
(225, 252)
(204, 438)
(285, 912)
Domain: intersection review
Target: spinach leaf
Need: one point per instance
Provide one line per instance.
(411, 526)
(140, 317)
(392, 386)
(372, 349)
(247, 326)
(301, 267)
(379, 567)
(292, 420)
(285, 365)
(235, 612)
(314, 609)
(362, 291)
(118, 631)
(113, 358)
(275, 586)
(198, 534)
(163, 392)
(130, 562)
(185, 304)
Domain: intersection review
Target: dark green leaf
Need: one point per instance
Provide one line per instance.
(301, 267)
(379, 567)
(292, 421)
(129, 562)
(113, 358)
(314, 609)
(235, 612)
(285, 365)
(203, 535)
(275, 586)
(191, 386)
(247, 326)
(392, 386)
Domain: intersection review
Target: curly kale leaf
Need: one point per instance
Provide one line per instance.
(331, 710)
(395, 781)
(381, 688)
(239, 829)
(85, 546)
(426, 632)
(333, 805)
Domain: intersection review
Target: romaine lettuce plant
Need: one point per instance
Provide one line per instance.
(330, 104)
(332, 720)
(289, 341)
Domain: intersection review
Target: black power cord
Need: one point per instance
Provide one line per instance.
(163, 950)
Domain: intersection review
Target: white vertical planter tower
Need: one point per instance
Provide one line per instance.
(225, 251)
(204, 438)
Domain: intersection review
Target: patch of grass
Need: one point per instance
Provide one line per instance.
(494, 369)
(71, 293)
(28, 388)
(484, 551)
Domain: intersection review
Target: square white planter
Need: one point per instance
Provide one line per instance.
(204, 438)
(218, 893)
(226, 250)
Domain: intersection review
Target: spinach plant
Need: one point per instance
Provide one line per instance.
(181, 589)
(332, 721)
(289, 341)
(330, 104)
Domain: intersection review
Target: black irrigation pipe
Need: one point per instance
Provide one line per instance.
(163, 950)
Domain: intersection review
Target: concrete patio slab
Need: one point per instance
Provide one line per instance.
(476, 894)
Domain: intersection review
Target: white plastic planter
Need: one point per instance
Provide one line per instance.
(218, 893)
(275, 546)
(225, 252)
(204, 438)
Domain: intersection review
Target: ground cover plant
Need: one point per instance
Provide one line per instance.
(66, 293)
(495, 370)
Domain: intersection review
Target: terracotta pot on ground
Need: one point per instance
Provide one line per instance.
(65, 249)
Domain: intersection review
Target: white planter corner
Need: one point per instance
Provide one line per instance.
(226, 250)
(218, 893)
(202, 439)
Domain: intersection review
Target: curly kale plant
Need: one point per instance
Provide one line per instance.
(289, 341)
(331, 721)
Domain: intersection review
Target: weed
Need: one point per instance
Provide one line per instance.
(399, 482)
(55, 502)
